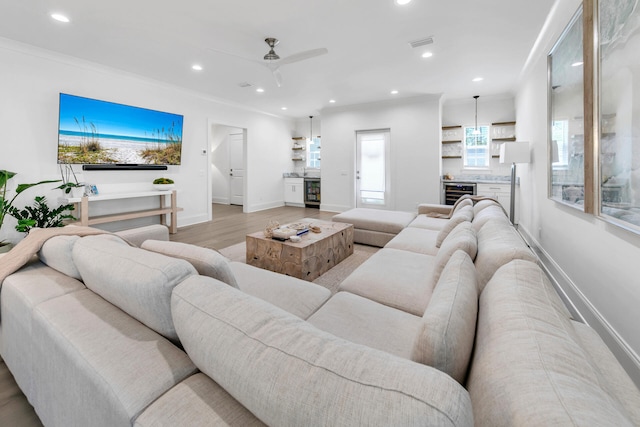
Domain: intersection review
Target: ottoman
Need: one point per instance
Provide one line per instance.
(375, 227)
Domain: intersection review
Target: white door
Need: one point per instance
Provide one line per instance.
(236, 169)
(372, 169)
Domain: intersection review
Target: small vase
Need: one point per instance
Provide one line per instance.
(6, 248)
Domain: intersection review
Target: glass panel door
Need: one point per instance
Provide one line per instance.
(372, 169)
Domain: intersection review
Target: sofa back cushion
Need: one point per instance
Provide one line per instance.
(462, 237)
(498, 243)
(445, 338)
(207, 262)
(56, 253)
(529, 367)
(491, 212)
(289, 373)
(461, 215)
(138, 282)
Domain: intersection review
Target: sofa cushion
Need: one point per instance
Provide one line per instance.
(498, 243)
(56, 253)
(137, 236)
(445, 337)
(418, 240)
(207, 262)
(393, 277)
(298, 297)
(137, 281)
(529, 366)
(197, 402)
(96, 362)
(461, 215)
(289, 373)
(463, 238)
(376, 219)
(363, 321)
(491, 212)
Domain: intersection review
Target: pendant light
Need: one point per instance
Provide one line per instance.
(311, 129)
(476, 131)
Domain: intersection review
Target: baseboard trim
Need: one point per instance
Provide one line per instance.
(582, 309)
(334, 208)
(220, 200)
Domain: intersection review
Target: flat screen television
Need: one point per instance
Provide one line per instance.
(94, 132)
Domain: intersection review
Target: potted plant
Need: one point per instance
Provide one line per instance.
(70, 185)
(6, 205)
(40, 215)
(163, 184)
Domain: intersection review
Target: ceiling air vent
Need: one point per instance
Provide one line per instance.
(421, 42)
(245, 84)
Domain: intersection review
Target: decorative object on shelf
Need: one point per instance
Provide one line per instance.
(268, 230)
(70, 184)
(6, 205)
(514, 152)
(163, 184)
(40, 215)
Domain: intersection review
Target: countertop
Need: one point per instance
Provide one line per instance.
(481, 179)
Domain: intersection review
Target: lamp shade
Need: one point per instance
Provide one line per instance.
(515, 152)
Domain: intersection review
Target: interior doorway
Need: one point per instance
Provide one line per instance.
(372, 169)
(228, 164)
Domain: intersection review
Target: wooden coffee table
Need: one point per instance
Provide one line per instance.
(308, 259)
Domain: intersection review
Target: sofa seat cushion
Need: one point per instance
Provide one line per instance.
(207, 262)
(289, 373)
(197, 402)
(446, 334)
(298, 297)
(367, 322)
(97, 362)
(393, 277)
(498, 243)
(137, 281)
(529, 367)
(416, 240)
(376, 219)
(21, 293)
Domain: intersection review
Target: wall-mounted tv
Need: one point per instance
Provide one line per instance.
(94, 132)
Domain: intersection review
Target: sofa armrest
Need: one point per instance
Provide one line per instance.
(426, 208)
(136, 236)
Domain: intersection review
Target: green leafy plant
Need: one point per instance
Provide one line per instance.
(41, 215)
(163, 181)
(6, 205)
(67, 173)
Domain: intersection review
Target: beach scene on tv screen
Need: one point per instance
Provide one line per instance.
(99, 132)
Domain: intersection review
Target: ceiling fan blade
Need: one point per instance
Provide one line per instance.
(278, 76)
(301, 56)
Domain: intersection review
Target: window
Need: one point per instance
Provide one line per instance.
(476, 147)
(560, 143)
(313, 148)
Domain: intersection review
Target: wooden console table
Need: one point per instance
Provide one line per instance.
(82, 205)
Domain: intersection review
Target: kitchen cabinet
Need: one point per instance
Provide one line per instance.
(294, 191)
(500, 192)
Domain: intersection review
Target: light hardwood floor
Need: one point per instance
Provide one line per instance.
(230, 225)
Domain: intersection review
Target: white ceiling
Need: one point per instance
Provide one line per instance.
(369, 54)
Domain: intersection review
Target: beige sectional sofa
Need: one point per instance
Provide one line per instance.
(450, 325)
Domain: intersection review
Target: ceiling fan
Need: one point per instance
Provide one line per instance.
(272, 60)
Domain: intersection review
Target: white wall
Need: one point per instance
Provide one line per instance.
(30, 81)
(415, 151)
(598, 259)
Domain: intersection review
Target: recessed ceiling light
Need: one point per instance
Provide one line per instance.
(577, 64)
(332, 101)
(260, 90)
(283, 108)
(394, 92)
(427, 54)
(197, 67)
(402, 2)
(478, 79)
(59, 17)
